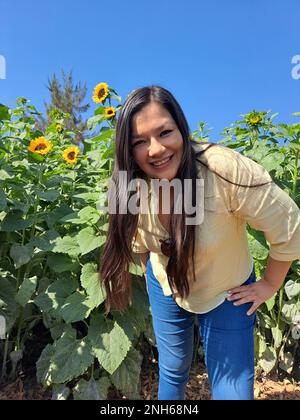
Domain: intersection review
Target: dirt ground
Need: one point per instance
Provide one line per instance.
(197, 389)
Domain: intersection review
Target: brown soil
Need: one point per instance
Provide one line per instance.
(197, 388)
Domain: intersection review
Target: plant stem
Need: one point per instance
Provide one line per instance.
(295, 176)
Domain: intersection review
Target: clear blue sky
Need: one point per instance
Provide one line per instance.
(220, 58)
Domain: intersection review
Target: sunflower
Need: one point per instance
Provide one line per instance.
(40, 145)
(100, 93)
(59, 128)
(254, 118)
(110, 112)
(70, 154)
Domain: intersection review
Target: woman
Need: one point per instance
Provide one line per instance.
(202, 270)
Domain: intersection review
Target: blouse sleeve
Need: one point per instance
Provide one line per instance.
(267, 208)
(138, 246)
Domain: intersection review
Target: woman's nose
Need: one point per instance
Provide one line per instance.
(156, 148)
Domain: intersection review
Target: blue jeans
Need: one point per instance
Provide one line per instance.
(227, 337)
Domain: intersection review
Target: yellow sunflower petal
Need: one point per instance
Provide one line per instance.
(70, 154)
(100, 93)
(109, 112)
(40, 145)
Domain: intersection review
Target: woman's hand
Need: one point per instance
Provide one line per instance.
(257, 293)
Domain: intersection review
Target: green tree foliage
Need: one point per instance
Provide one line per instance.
(68, 97)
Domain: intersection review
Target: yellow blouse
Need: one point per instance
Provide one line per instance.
(222, 255)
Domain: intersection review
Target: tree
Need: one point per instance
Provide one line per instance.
(68, 98)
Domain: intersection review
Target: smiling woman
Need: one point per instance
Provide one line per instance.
(156, 142)
(202, 271)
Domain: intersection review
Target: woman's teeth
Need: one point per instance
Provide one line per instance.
(161, 162)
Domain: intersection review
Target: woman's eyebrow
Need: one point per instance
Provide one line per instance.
(156, 129)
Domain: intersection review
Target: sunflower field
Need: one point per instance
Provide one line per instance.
(52, 235)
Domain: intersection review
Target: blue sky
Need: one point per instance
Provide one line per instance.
(220, 58)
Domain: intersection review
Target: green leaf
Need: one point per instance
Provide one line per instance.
(268, 359)
(71, 357)
(90, 281)
(110, 343)
(72, 218)
(66, 245)
(277, 336)
(292, 289)
(46, 241)
(271, 302)
(76, 308)
(57, 214)
(89, 215)
(127, 377)
(290, 311)
(61, 263)
(26, 290)
(88, 240)
(50, 195)
(21, 254)
(91, 390)
(4, 113)
(258, 250)
(5, 175)
(52, 300)
(43, 366)
(3, 201)
(93, 121)
(14, 221)
(66, 359)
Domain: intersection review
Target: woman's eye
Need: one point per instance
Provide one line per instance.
(138, 142)
(166, 131)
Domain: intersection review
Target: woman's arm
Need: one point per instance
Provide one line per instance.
(265, 288)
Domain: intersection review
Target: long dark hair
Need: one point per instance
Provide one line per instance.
(117, 253)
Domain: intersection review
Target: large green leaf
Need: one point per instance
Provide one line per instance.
(91, 390)
(88, 240)
(46, 241)
(292, 289)
(67, 245)
(26, 290)
(14, 221)
(50, 195)
(76, 308)
(55, 295)
(90, 281)
(268, 359)
(66, 359)
(109, 341)
(43, 366)
(4, 112)
(21, 254)
(60, 263)
(127, 377)
(89, 215)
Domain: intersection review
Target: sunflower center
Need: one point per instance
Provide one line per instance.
(101, 93)
(71, 155)
(40, 147)
(110, 111)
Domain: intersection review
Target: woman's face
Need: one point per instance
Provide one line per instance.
(156, 141)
